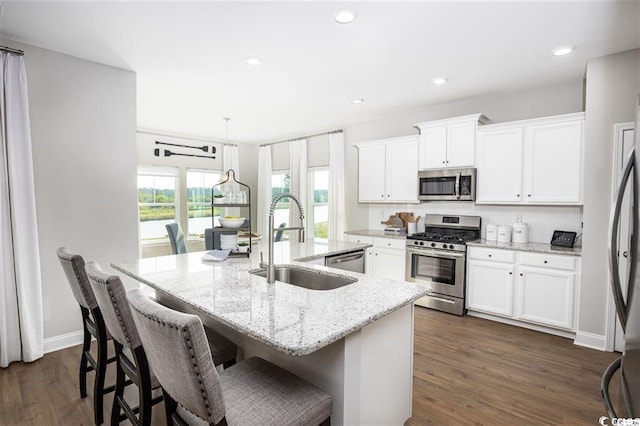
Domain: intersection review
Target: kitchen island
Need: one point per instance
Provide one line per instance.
(355, 342)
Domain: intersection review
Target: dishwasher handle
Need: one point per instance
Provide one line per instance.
(343, 258)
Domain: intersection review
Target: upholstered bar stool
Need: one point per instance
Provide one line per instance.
(131, 360)
(176, 238)
(252, 392)
(92, 325)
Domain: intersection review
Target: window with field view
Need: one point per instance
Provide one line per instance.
(281, 183)
(156, 205)
(199, 185)
(319, 201)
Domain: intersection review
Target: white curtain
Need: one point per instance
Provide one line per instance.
(264, 190)
(21, 319)
(299, 173)
(336, 186)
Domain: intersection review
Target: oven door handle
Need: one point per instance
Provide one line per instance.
(458, 186)
(441, 299)
(436, 253)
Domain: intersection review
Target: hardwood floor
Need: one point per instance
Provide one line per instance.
(469, 370)
(466, 371)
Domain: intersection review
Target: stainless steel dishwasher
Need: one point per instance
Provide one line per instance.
(351, 261)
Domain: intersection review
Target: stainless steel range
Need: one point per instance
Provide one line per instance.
(437, 257)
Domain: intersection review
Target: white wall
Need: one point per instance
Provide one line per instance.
(613, 85)
(531, 103)
(83, 127)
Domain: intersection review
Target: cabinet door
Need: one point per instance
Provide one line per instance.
(371, 173)
(389, 263)
(553, 163)
(461, 140)
(546, 296)
(499, 166)
(433, 147)
(402, 171)
(490, 287)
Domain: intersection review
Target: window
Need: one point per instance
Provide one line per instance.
(319, 201)
(280, 183)
(199, 184)
(156, 202)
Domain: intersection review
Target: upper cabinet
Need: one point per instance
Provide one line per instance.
(449, 142)
(531, 161)
(388, 170)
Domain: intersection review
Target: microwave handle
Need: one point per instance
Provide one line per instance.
(457, 189)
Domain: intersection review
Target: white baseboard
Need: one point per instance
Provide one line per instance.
(590, 340)
(63, 341)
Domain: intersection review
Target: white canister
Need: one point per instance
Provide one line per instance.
(520, 233)
(492, 232)
(504, 234)
(412, 228)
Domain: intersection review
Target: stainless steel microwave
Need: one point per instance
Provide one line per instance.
(447, 185)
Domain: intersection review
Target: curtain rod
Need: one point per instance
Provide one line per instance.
(303, 137)
(10, 50)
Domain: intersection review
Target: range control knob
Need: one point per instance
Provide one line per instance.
(451, 246)
(421, 243)
(444, 246)
(433, 244)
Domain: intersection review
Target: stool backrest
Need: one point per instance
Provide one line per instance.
(176, 238)
(112, 300)
(178, 352)
(73, 267)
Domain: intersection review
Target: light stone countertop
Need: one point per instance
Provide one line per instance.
(531, 247)
(376, 233)
(292, 319)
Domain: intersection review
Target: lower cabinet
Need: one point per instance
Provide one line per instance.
(537, 288)
(385, 259)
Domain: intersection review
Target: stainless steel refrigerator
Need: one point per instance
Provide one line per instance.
(627, 305)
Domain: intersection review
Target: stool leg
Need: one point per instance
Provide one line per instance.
(86, 346)
(170, 406)
(119, 391)
(101, 370)
(144, 387)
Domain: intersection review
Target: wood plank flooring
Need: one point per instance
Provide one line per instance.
(469, 370)
(466, 371)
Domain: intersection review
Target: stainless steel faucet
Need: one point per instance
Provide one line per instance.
(271, 268)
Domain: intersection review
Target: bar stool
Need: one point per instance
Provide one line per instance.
(131, 360)
(252, 392)
(176, 238)
(92, 325)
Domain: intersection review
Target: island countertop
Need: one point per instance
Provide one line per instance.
(291, 319)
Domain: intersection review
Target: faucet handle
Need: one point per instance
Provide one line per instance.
(262, 265)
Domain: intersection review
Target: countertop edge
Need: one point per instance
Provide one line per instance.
(528, 247)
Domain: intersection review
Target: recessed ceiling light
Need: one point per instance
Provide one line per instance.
(357, 101)
(344, 16)
(561, 51)
(253, 61)
(439, 81)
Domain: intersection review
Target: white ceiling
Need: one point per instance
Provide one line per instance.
(190, 57)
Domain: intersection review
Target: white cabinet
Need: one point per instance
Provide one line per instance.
(533, 161)
(386, 257)
(536, 288)
(389, 258)
(499, 172)
(490, 280)
(388, 171)
(546, 288)
(449, 142)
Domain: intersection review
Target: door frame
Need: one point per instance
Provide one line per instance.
(618, 164)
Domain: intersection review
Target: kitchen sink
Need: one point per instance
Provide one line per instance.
(307, 278)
